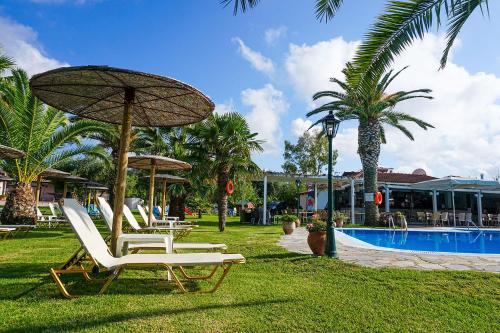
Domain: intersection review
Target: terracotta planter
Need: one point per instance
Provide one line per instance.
(288, 228)
(339, 223)
(317, 241)
(297, 223)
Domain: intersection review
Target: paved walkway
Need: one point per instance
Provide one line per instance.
(297, 242)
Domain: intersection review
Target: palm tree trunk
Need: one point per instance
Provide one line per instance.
(369, 151)
(20, 206)
(177, 204)
(222, 179)
(111, 181)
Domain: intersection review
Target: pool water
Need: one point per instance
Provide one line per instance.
(457, 241)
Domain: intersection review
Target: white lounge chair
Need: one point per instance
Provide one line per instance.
(50, 220)
(99, 255)
(56, 212)
(107, 212)
(172, 221)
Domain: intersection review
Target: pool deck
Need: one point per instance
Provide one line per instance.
(354, 252)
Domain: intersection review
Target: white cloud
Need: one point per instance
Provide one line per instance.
(299, 126)
(256, 59)
(20, 42)
(465, 111)
(268, 104)
(225, 107)
(272, 35)
(310, 67)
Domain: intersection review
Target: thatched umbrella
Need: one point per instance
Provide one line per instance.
(49, 174)
(167, 179)
(154, 163)
(122, 97)
(8, 152)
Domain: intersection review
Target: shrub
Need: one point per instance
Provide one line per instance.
(288, 218)
(316, 225)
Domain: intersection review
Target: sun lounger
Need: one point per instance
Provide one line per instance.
(108, 215)
(50, 220)
(6, 232)
(16, 228)
(97, 253)
(169, 220)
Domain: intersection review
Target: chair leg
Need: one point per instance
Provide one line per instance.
(205, 277)
(110, 279)
(223, 276)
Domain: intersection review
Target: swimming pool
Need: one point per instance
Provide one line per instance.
(456, 241)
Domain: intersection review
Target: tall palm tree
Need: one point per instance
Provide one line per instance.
(45, 134)
(223, 145)
(372, 111)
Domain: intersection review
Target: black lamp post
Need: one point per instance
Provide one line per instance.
(330, 127)
(298, 182)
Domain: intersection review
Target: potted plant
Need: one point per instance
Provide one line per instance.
(288, 222)
(297, 222)
(317, 236)
(339, 218)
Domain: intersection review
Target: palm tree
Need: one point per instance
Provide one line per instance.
(223, 145)
(372, 111)
(109, 138)
(325, 9)
(6, 63)
(45, 134)
(394, 30)
(401, 23)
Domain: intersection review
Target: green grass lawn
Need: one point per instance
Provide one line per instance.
(274, 291)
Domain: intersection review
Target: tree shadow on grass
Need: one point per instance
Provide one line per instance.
(82, 321)
(290, 256)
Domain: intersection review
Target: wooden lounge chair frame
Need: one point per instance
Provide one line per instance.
(76, 263)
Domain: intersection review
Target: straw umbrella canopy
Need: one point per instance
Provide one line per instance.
(153, 163)
(122, 97)
(167, 179)
(8, 152)
(48, 174)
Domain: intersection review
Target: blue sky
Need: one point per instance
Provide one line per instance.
(267, 63)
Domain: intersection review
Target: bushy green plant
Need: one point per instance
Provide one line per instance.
(288, 218)
(338, 215)
(316, 225)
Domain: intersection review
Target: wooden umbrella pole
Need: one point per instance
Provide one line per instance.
(38, 190)
(151, 191)
(164, 199)
(122, 169)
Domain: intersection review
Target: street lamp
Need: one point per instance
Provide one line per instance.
(298, 182)
(330, 127)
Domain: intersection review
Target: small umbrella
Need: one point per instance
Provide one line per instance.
(8, 152)
(122, 97)
(167, 179)
(154, 163)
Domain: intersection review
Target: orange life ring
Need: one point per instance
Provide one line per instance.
(229, 187)
(378, 198)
